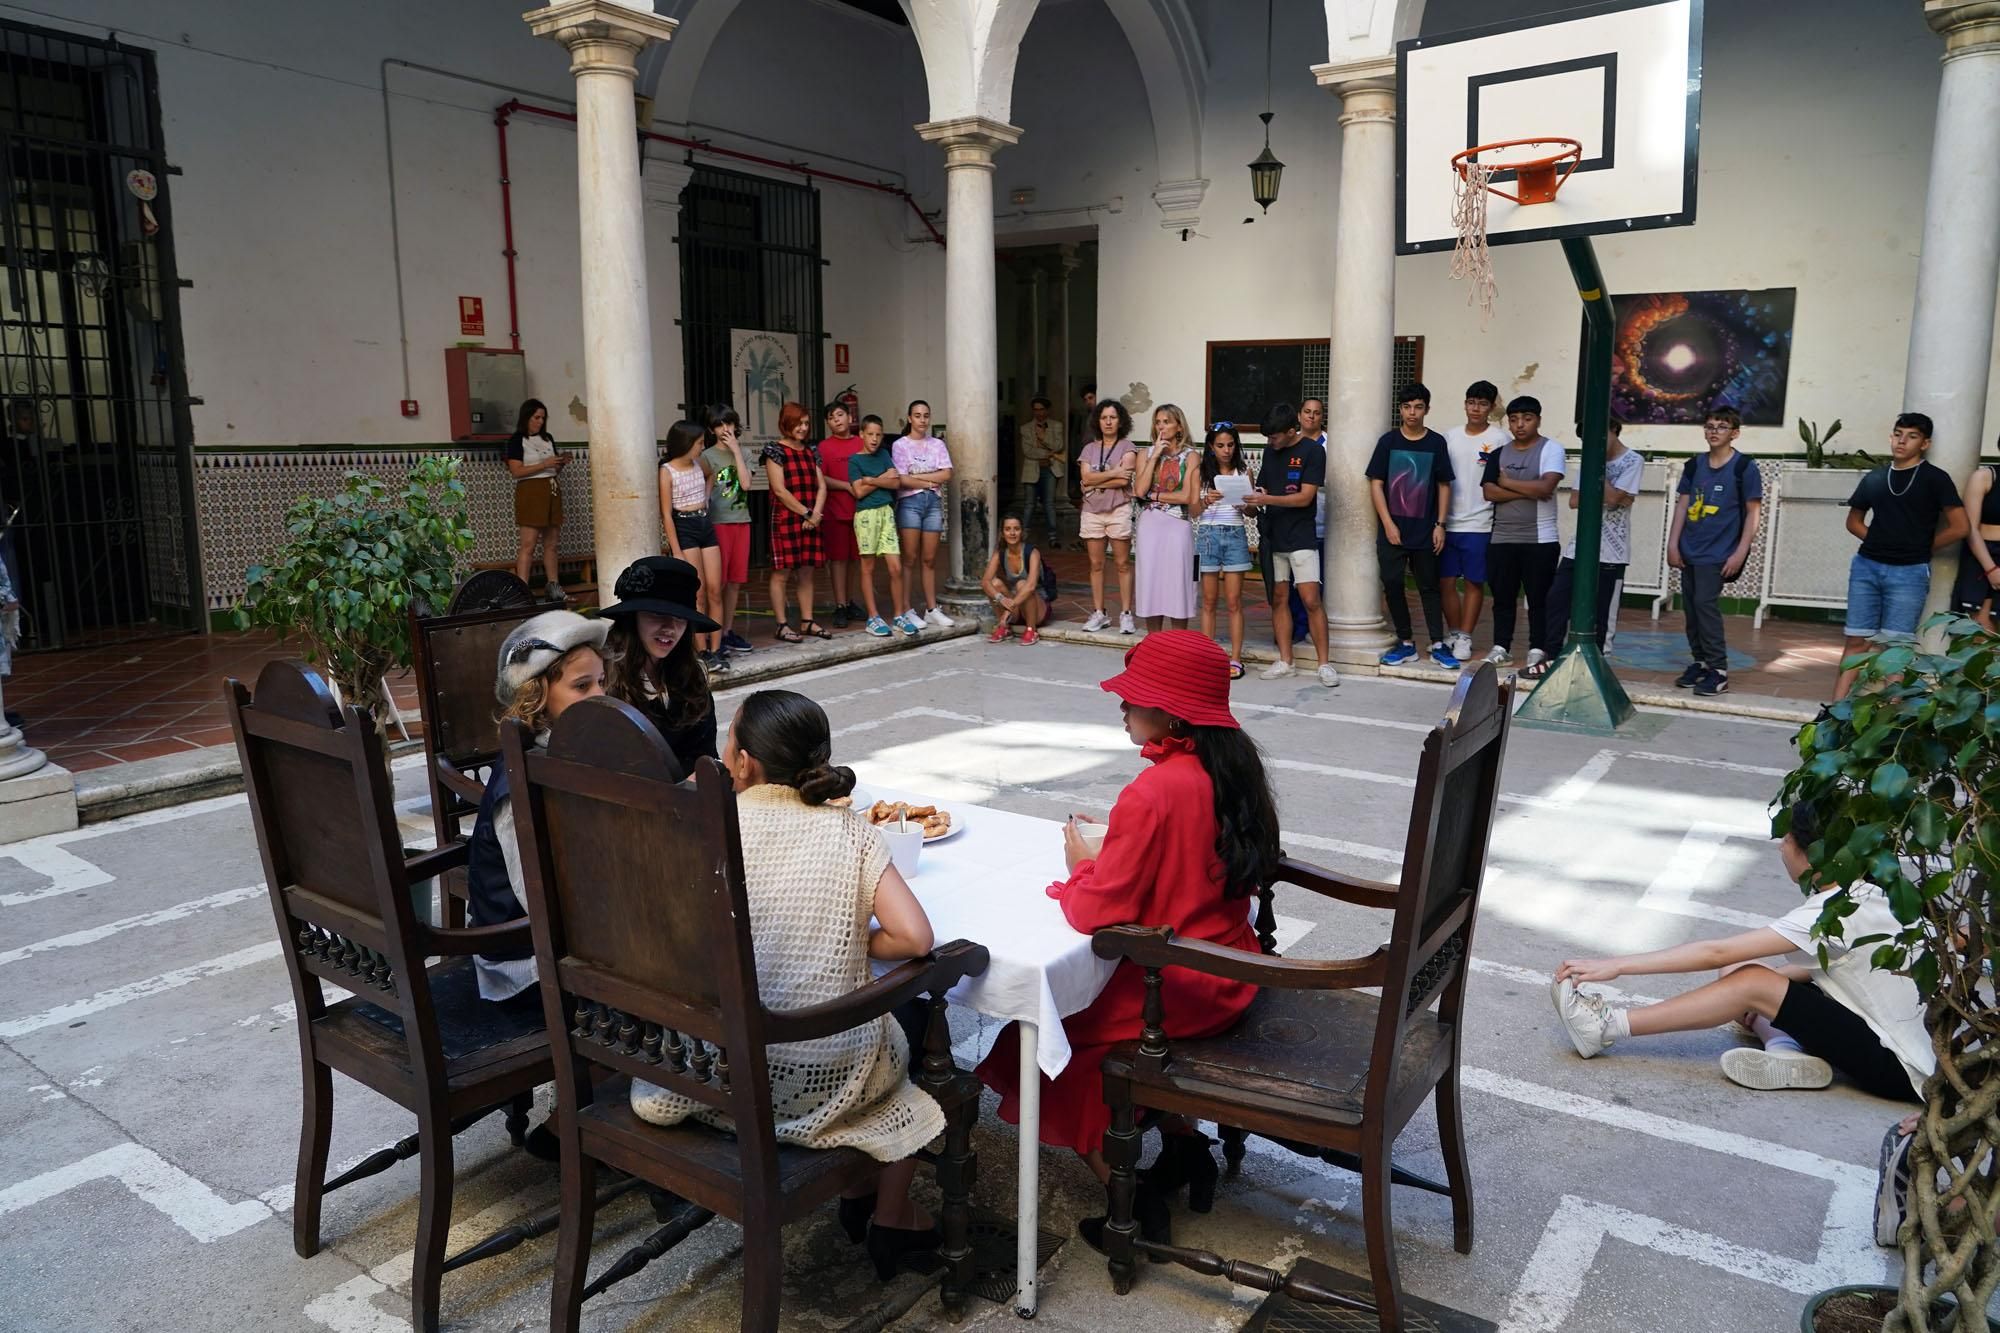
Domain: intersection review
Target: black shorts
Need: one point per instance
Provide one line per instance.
(694, 531)
(1971, 591)
(1825, 1027)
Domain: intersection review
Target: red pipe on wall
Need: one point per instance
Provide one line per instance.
(505, 111)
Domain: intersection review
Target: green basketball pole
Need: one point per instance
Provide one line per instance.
(1580, 693)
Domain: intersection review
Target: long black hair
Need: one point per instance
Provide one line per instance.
(1210, 464)
(788, 734)
(1246, 815)
(677, 679)
(527, 412)
(685, 437)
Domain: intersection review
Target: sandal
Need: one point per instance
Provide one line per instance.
(1235, 670)
(786, 634)
(814, 628)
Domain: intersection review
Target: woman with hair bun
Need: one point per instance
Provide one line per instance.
(815, 874)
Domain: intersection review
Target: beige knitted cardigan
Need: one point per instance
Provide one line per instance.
(811, 873)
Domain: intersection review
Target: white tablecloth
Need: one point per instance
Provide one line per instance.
(986, 885)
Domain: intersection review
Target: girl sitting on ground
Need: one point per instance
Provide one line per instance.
(814, 875)
(1221, 541)
(1848, 1015)
(1021, 587)
(654, 666)
(1189, 840)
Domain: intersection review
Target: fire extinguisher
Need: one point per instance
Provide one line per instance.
(848, 399)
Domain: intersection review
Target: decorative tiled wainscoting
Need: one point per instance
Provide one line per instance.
(241, 497)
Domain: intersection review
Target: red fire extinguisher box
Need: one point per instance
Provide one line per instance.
(485, 387)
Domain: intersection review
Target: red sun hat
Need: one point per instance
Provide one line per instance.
(1181, 672)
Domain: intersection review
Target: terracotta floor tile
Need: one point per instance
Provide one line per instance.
(149, 749)
(208, 736)
(85, 760)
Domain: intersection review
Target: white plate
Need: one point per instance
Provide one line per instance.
(863, 798)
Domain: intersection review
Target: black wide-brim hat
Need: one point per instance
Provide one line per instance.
(663, 585)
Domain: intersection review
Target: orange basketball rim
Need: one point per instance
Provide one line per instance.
(1536, 179)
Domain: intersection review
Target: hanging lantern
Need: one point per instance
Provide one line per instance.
(1266, 171)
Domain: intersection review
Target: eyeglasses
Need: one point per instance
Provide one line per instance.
(1713, 428)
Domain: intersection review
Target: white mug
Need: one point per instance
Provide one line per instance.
(1092, 835)
(904, 848)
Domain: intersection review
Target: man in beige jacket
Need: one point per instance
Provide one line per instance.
(1044, 460)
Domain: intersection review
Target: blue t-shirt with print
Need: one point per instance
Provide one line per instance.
(1715, 507)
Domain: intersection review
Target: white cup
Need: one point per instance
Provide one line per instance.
(1092, 835)
(905, 848)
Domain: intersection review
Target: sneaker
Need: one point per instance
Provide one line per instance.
(1444, 657)
(553, 592)
(909, 623)
(1328, 676)
(1892, 1185)
(1461, 647)
(1713, 683)
(735, 642)
(1098, 620)
(855, 611)
(1536, 657)
(1499, 656)
(1127, 625)
(1585, 1017)
(840, 617)
(1771, 1071)
(878, 627)
(1691, 677)
(1401, 653)
(1001, 633)
(936, 616)
(718, 663)
(1276, 671)
(1029, 638)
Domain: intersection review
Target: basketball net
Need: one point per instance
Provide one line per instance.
(1470, 258)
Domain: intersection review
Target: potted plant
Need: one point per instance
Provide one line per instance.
(1906, 776)
(355, 564)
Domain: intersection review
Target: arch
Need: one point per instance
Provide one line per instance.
(1369, 29)
(680, 61)
(1164, 40)
(969, 49)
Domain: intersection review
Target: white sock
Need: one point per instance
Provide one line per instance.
(1621, 1024)
(1783, 1042)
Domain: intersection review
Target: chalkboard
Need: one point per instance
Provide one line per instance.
(1245, 379)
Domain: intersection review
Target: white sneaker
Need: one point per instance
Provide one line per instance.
(1585, 1018)
(1772, 1071)
(1328, 676)
(1536, 657)
(1499, 656)
(1098, 620)
(1461, 647)
(1127, 625)
(1276, 671)
(936, 616)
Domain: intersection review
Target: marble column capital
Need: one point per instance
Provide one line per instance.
(1969, 27)
(969, 141)
(661, 181)
(602, 36)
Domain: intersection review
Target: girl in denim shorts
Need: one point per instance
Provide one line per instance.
(1221, 542)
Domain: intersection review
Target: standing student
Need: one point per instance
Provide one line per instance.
(729, 512)
(1622, 472)
(1521, 478)
(1044, 460)
(1287, 485)
(1221, 541)
(1166, 479)
(923, 466)
(1716, 508)
(684, 487)
(1468, 528)
(1410, 480)
(872, 475)
(837, 524)
(1106, 466)
(1903, 512)
(798, 502)
(1018, 584)
(533, 462)
(1979, 562)
(1312, 430)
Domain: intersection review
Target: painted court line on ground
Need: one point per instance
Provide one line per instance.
(138, 990)
(1690, 867)
(178, 912)
(187, 1203)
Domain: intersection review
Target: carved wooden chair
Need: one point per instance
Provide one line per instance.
(1316, 1063)
(642, 929)
(322, 806)
(456, 656)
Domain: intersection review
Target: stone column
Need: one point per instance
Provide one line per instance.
(1362, 352)
(971, 355)
(662, 181)
(1058, 390)
(1951, 329)
(604, 39)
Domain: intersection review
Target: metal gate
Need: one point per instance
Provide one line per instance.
(95, 464)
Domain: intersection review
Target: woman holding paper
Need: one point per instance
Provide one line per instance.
(1221, 542)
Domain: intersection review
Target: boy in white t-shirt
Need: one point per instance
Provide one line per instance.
(1520, 479)
(1469, 526)
(1623, 471)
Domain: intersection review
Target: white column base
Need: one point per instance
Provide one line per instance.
(36, 796)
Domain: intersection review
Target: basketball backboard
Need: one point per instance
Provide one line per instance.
(1622, 78)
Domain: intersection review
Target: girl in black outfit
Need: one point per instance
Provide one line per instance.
(652, 650)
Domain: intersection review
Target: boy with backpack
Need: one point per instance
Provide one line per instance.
(1716, 509)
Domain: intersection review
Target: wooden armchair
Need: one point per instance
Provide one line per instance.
(1315, 1063)
(457, 657)
(421, 1036)
(642, 929)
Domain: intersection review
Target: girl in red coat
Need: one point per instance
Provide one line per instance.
(1189, 840)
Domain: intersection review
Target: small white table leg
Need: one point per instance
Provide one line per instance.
(1027, 1206)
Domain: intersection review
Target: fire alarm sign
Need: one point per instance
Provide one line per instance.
(840, 358)
(471, 317)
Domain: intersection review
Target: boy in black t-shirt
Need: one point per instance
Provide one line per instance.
(1409, 478)
(1889, 577)
(1287, 486)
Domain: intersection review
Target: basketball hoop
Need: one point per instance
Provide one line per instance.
(1537, 179)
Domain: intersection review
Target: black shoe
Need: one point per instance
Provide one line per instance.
(1712, 683)
(840, 617)
(888, 1245)
(542, 1142)
(1692, 676)
(855, 611)
(1149, 1210)
(665, 1203)
(854, 1215)
(1184, 1160)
